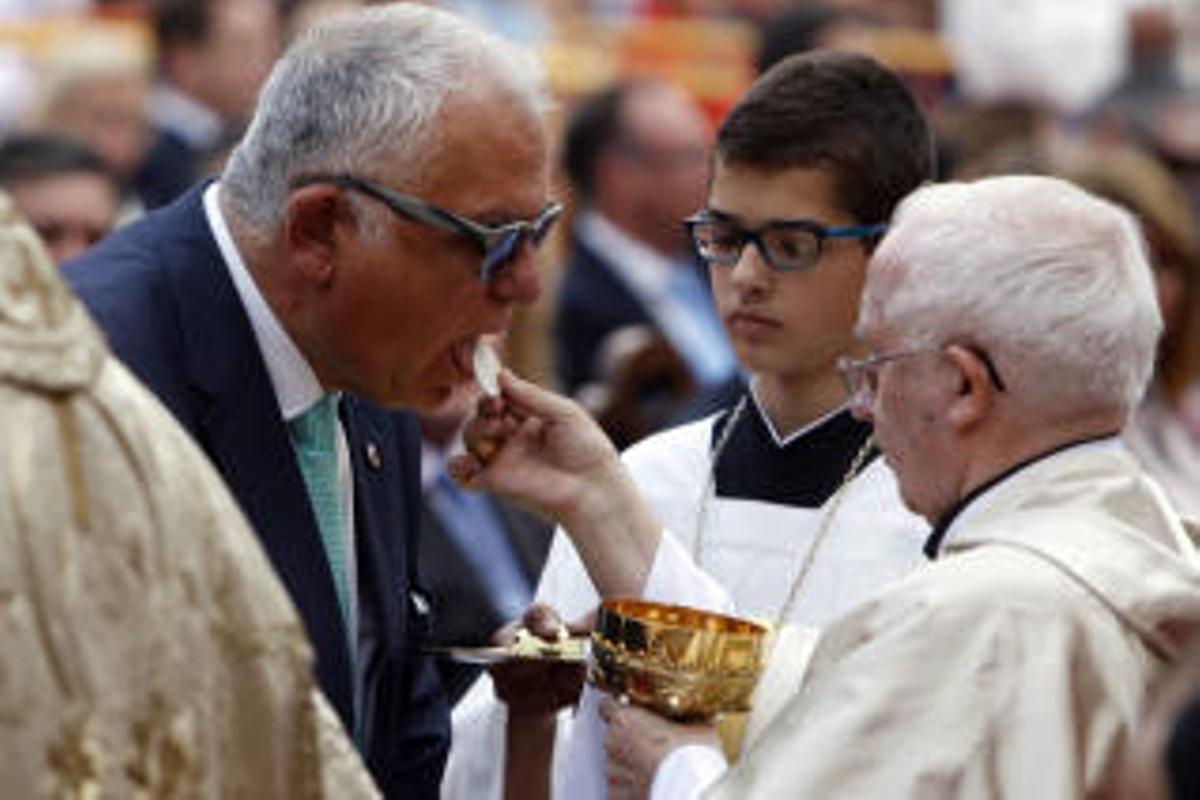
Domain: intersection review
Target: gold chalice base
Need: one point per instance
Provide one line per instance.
(682, 662)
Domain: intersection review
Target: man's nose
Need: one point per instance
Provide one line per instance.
(518, 280)
(751, 269)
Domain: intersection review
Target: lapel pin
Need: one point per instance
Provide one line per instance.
(373, 456)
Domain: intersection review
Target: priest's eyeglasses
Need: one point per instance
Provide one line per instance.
(786, 245)
(861, 376)
(497, 243)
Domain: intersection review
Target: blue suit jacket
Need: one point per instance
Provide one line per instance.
(592, 303)
(162, 293)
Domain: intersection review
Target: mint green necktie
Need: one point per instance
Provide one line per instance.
(314, 437)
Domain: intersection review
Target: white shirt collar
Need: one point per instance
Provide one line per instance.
(986, 499)
(643, 269)
(784, 441)
(296, 385)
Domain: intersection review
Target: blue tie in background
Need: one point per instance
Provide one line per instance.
(314, 436)
(479, 534)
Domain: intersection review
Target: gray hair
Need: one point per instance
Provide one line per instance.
(1051, 281)
(367, 88)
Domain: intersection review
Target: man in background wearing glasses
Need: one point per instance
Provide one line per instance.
(637, 156)
(379, 216)
(1013, 326)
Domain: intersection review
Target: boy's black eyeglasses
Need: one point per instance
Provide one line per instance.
(785, 245)
(498, 243)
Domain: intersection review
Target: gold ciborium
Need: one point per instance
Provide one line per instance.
(684, 663)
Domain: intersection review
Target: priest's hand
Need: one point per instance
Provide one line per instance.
(637, 741)
(537, 687)
(543, 452)
(537, 449)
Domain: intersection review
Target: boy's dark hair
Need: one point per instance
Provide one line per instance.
(595, 125)
(37, 156)
(836, 111)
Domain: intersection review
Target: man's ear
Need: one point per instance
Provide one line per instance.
(975, 391)
(310, 230)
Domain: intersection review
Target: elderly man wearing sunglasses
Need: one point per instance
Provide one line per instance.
(379, 216)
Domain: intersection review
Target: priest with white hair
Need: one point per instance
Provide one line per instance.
(1012, 325)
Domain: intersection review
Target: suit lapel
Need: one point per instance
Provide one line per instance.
(383, 455)
(243, 432)
(378, 483)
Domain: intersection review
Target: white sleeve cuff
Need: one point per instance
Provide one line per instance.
(687, 772)
(675, 578)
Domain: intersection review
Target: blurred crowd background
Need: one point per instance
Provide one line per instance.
(110, 109)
